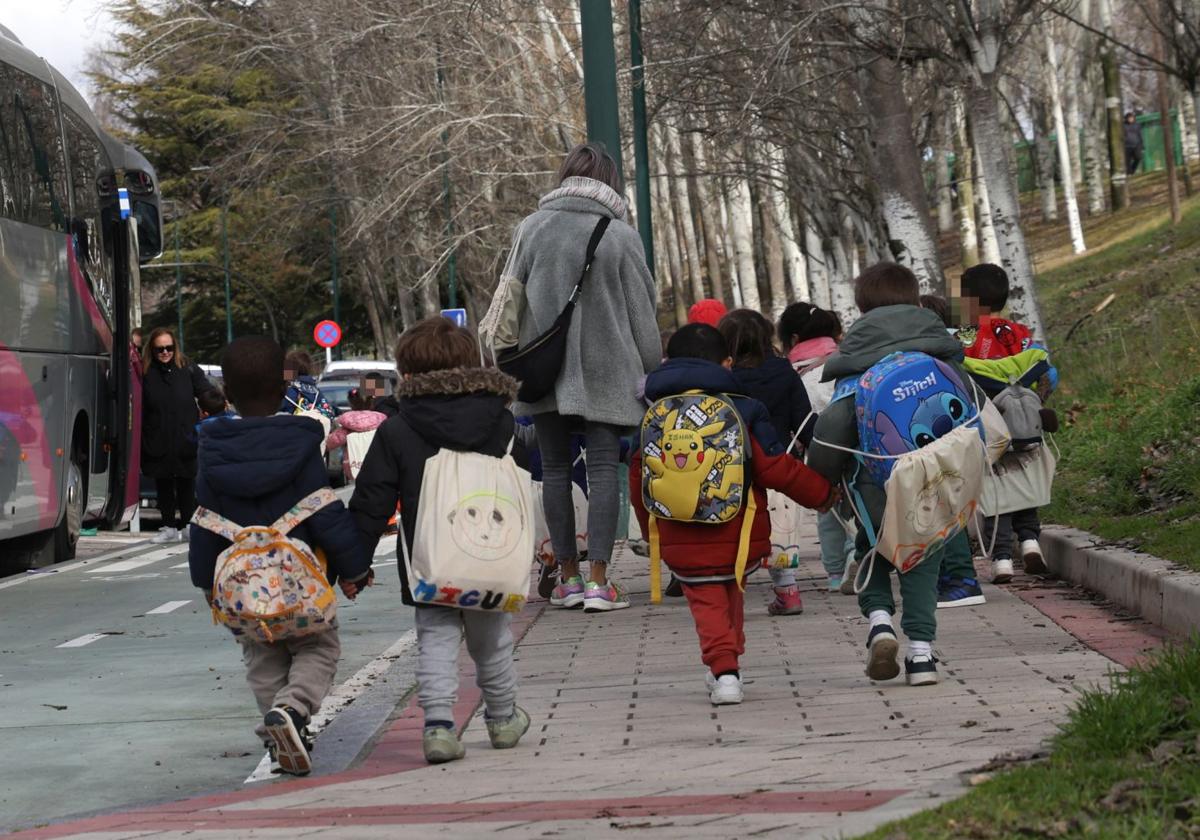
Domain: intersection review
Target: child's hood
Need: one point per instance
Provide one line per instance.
(770, 383)
(361, 421)
(886, 330)
(679, 375)
(254, 456)
(459, 408)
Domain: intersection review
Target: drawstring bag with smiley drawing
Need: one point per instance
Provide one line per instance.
(695, 460)
(924, 442)
(474, 533)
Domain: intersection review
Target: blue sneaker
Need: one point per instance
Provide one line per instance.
(964, 592)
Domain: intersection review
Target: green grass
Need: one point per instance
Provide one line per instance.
(1125, 766)
(1130, 393)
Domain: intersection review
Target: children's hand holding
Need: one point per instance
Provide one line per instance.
(835, 496)
(351, 588)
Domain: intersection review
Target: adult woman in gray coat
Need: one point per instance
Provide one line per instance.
(613, 341)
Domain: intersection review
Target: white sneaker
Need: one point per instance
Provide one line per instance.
(1031, 553)
(710, 680)
(165, 535)
(185, 533)
(1002, 571)
(727, 691)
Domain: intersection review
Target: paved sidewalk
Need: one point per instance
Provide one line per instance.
(623, 735)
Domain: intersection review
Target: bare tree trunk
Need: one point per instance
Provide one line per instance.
(1064, 152)
(1187, 122)
(781, 217)
(735, 282)
(1164, 110)
(708, 218)
(818, 277)
(776, 275)
(683, 204)
(1185, 132)
(668, 243)
(841, 278)
(741, 218)
(898, 173)
(988, 245)
(991, 145)
(1112, 109)
(945, 202)
(1070, 92)
(1045, 163)
(964, 153)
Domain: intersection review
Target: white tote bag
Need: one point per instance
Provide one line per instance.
(787, 521)
(357, 446)
(474, 533)
(543, 551)
(1019, 481)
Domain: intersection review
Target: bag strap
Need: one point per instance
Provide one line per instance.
(799, 431)
(593, 244)
(739, 568)
(212, 521)
(655, 562)
(305, 508)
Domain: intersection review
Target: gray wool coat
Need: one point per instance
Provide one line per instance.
(614, 339)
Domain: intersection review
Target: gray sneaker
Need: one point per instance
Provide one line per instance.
(442, 745)
(505, 734)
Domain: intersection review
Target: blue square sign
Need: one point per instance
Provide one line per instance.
(458, 316)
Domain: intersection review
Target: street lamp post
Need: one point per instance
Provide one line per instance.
(641, 151)
(178, 277)
(600, 76)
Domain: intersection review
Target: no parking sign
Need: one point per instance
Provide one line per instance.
(327, 334)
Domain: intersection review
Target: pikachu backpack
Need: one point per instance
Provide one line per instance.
(695, 457)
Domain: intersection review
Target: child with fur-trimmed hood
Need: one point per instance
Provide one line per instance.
(446, 403)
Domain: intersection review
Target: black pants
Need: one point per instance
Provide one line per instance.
(176, 494)
(1133, 159)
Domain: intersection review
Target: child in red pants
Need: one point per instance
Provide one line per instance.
(702, 556)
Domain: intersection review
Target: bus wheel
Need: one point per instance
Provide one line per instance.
(66, 535)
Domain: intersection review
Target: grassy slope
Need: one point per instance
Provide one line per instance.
(1127, 763)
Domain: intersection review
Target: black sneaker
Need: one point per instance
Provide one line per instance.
(287, 729)
(959, 593)
(882, 649)
(921, 669)
(674, 588)
(547, 580)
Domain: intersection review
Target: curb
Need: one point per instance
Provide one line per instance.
(1160, 592)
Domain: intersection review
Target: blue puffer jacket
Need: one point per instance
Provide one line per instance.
(251, 471)
(303, 394)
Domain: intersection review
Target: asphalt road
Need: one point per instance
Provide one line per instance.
(116, 688)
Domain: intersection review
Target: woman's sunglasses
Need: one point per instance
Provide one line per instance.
(166, 348)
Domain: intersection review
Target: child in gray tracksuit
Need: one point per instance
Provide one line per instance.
(446, 403)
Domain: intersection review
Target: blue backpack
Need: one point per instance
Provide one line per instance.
(905, 401)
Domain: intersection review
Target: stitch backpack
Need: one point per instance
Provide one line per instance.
(922, 442)
(268, 584)
(695, 455)
(473, 537)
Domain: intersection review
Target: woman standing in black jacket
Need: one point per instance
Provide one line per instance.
(169, 417)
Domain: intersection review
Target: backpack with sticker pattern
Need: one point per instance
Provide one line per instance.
(695, 468)
(267, 584)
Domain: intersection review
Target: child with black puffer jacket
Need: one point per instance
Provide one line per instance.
(764, 375)
(446, 402)
(252, 470)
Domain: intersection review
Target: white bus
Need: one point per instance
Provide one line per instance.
(78, 212)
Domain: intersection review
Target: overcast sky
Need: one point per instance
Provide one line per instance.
(62, 31)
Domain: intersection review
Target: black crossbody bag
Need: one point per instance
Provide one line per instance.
(537, 365)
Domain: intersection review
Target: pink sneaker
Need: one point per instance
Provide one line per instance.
(568, 594)
(787, 602)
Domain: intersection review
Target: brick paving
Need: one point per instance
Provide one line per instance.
(623, 736)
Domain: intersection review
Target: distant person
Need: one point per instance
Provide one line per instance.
(704, 557)
(707, 311)
(1135, 144)
(764, 375)
(212, 405)
(253, 470)
(375, 393)
(361, 420)
(171, 385)
(612, 342)
(303, 393)
(137, 338)
(448, 403)
(811, 335)
(940, 306)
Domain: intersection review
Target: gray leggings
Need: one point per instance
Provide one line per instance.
(603, 453)
(490, 644)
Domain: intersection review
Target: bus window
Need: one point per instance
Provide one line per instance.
(32, 179)
(89, 164)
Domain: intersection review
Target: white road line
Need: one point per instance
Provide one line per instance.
(170, 606)
(344, 695)
(138, 562)
(386, 546)
(54, 571)
(180, 566)
(83, 640)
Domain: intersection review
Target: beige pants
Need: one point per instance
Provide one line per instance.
(294, 672)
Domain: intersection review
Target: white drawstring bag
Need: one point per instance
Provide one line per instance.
(357, 446)
(474, 533)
